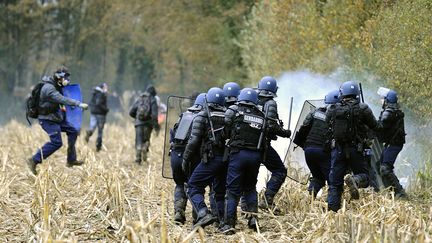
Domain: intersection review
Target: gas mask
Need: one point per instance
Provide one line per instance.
(62, 78)
(64, 82)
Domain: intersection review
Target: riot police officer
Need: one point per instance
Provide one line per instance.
(231, 91)
(347, 121)
(313, 137)
(179, 138)
(267, 88)
(392, 134)
(245, 125)
(207, 136)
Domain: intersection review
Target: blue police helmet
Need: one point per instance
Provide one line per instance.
(268, 83)
(332, 97)
(391, 97)
(200, 99)
(231, 89)
(216, 96)
(248, 95)
(349, 88)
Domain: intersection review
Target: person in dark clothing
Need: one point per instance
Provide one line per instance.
(145, 113)
(179, 137)
(245, 126)
(313, 137)
(267, 88)
(207, 139)
(98, 112)
(347, 121)
(231, 91)
(52, 119)
(392, 134)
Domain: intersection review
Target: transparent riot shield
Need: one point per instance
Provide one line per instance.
(176, 105)
(294, 158)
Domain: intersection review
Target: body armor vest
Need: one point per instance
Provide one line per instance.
(394, 133)
(318, 134)
(247, 126)
(214, 146)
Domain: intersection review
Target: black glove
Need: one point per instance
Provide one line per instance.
(185, 167)
(281, 123)
(286, 133)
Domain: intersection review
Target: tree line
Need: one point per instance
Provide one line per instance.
(188, 45)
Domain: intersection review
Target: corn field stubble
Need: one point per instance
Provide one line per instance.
(112, 199)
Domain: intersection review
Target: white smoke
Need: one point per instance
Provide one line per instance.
(305, 85)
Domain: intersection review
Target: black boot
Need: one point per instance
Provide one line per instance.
(391, 180)
(74, 163)
(179, 205)
(204, 218)
(352, 186)
(138, 154)
(87, 136)
(251, 215)
(32, 165)
(267, 201)
(179, 217)
(253, 222)
(228, 227)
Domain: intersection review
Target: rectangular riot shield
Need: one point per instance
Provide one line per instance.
(176, 105)
(373, 156)
(294, 158)
(73, 113)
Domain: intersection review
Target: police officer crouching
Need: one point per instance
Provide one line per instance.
(347, 121)
(245, 127)
(313, 137)
(207, 139)
(392, 134)
(179, 138)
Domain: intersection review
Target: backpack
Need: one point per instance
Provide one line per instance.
(345, 119)
(32, 102)
(144, 108)
(184, 127)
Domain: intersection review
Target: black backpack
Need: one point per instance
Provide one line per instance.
(32, 102)
(144, 108)
(345, 122)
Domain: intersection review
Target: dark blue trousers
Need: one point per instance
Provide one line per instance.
(205, 174)
(54, 130)
(178, 175)
(318, 162)
(176, 167)
(341, 160)
(241, 179)
(390, 154)
(278, 171)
